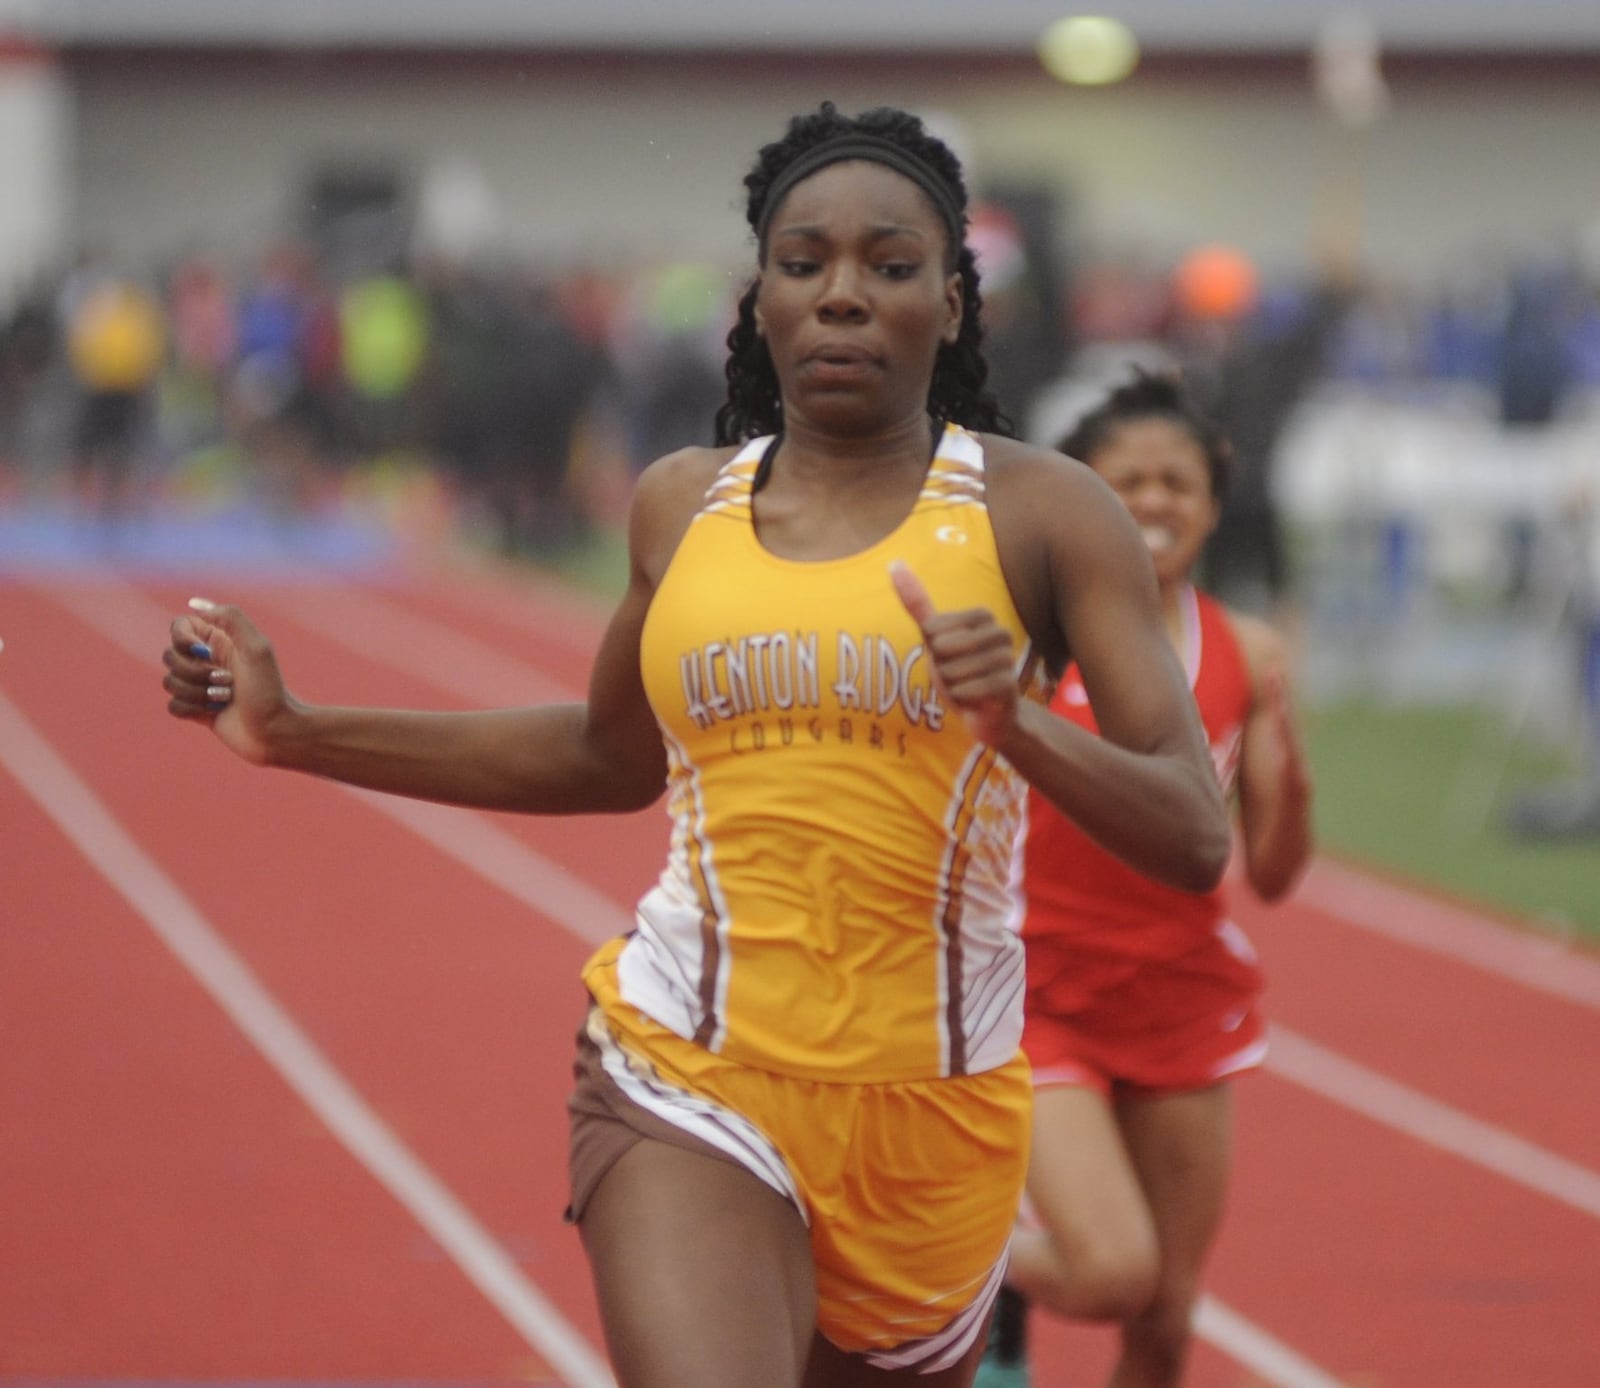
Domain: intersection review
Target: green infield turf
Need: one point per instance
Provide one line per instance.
(1427, 792)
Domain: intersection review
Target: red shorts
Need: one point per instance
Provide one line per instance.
(1159, 1027)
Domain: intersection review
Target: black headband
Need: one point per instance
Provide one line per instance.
(880, 151)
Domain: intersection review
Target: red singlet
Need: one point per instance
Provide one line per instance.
(1132, 983)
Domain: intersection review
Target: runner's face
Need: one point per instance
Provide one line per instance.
(1159, 470)
(854, 300)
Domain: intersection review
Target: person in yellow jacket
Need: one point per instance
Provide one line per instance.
(800, 1119)
(116, 346)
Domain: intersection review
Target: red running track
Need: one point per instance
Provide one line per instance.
(283, 1067)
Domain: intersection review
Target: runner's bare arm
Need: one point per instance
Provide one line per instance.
(604, 754)
(1274, 776)
(1145, 789)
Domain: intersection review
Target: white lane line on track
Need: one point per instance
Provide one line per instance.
(96, 834)
(481, 846)
(548, 611)
(1415, 919)
(1248, 1344)
(459, 665)
(1410, 1111)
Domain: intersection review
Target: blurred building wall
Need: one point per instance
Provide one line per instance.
(629, 157)
(35, 164)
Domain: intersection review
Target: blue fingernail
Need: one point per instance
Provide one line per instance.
(200, 650)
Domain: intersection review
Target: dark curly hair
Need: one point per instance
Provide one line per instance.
(1152, 395)
(958, 393)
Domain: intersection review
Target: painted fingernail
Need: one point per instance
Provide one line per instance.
(199, 650)
(219, 693)
(202, 604)
(222, 677)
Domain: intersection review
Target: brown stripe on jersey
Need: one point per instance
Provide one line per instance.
(955, 886)
(952, 963)
(711, 955)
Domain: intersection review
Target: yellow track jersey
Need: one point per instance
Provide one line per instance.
(842, 896)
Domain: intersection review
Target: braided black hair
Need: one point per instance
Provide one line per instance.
(1152, 395)
(958, 392)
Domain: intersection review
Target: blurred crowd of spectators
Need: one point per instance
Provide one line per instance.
(528, 399)
(532, 398)
(1511, 344)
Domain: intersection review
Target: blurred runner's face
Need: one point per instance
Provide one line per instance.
(1159, 470)
(854, 300)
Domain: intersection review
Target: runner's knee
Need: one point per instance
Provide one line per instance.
(1103, 1279)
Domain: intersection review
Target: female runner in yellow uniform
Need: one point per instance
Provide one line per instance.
(800, 1123)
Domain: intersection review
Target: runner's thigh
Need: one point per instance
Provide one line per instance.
(702, 1270)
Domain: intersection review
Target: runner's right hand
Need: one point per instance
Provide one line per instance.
(221, 671)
